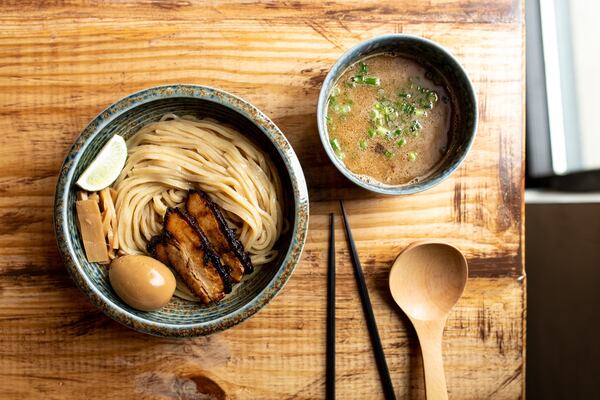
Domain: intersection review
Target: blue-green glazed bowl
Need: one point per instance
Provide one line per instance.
(181, 318)
(445, 69)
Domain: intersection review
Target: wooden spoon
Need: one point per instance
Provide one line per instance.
(426, 280)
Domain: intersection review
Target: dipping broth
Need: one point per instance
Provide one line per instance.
(387, 122)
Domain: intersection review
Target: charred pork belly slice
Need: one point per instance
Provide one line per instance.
(184, 246)
(156, 248)
(221, 237)
(160, 248)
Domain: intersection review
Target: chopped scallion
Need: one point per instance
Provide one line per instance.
(372, 133)
(335, 144)
(375, 115)
(415, 126)
(412, 156)
(407, 108)
(341, 108)
(381, 130)
(371, 80)
(337, 148)
(363, 144)
(388, 154)
(401, 142)
(363, 68)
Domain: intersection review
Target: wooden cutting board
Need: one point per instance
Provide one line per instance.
(62, 62)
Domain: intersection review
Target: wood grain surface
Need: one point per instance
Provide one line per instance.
(62, 62)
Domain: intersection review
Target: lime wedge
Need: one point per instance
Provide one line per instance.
(106, 167)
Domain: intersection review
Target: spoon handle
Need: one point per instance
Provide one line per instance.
(430, 336)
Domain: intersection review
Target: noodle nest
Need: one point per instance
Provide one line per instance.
(176, 154)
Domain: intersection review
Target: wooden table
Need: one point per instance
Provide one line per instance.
(60, 64)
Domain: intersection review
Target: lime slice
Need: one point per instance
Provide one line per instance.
(106, 167)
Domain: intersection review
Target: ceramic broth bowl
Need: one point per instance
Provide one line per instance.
(182, 318)
(445, 69)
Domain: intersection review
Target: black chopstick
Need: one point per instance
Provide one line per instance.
(384, 374)
(330, 383)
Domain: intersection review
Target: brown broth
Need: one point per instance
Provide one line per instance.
(401, 151)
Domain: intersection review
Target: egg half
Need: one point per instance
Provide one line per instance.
(142, 282)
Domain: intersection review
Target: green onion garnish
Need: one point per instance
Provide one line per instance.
(381, 130)
(341, 108)
(371, 80)
(407, 108)
(420, 113)
(388, 154)
(372, 133)
(401, 142)
(412, 156)
(335, 91)
(415, 126)
(432, 96)
(335, 144)
(375, 115)
(398, 132)
(363, 68)
(362, 144)
(329, 122)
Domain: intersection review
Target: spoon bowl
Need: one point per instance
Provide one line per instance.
(426, 281)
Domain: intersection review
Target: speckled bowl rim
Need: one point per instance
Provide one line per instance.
(271, 131)
(336, 71)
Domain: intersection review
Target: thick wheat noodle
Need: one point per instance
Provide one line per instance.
(169, 157)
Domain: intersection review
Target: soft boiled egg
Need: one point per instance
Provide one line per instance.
(142, 282)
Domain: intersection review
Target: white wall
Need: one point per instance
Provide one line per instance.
(585, 25)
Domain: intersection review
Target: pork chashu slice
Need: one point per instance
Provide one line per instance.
(183, 246)
(221, 237)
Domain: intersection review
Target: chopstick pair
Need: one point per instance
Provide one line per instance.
(384, 374)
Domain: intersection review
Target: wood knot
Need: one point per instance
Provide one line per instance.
(208, 387)
(186, 386)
